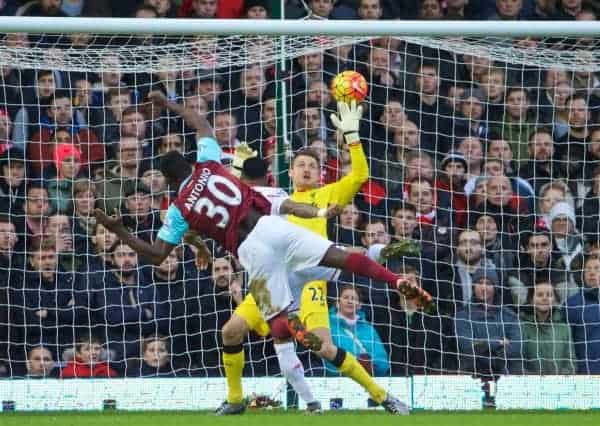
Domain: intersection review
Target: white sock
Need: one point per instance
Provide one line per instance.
(293, 370)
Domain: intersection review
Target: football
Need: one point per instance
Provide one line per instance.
(348, 86)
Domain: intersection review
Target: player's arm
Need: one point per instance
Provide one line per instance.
(191, 118)
(156, 252)
(306, 211)
(347, 121)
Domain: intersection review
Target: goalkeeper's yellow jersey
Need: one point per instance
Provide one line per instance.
(341, 192)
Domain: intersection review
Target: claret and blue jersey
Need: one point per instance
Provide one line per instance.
(211, 201)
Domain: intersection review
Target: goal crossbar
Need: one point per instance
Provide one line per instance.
(40, 25)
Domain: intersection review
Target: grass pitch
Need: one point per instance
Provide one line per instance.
(290, 418)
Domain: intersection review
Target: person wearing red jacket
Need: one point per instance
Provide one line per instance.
(87, 361)
(40, 150)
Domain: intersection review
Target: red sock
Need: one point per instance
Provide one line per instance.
(362, 265)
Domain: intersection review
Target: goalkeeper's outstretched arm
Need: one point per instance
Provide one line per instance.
(191, 118)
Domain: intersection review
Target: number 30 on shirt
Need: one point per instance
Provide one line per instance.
(219, 212)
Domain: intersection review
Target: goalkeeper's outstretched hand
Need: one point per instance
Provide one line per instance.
(347, 120)
(242, 153)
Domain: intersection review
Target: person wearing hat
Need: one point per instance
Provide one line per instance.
(67, 160)
(452, 185)
(567, 241)
(139, 217)
(12, 180)
(489, 337)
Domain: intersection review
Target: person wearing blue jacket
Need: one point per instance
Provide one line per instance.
(489, 335)
(583, 314)
(353, 333)
(49, 297)
(128, 304)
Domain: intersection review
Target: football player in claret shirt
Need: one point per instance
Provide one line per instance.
(217, 205)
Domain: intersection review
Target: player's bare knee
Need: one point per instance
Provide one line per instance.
(328, 351)
(234, 330)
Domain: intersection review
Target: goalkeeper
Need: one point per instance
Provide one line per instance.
(313, 316)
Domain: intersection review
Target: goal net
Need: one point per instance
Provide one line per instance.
(483, 187)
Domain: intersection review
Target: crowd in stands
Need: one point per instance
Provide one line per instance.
(489, 172)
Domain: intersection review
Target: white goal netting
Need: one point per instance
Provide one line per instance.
(483, 185)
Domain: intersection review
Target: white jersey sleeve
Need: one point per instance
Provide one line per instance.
(275, 195)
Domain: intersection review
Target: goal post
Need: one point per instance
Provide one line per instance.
(479, 136)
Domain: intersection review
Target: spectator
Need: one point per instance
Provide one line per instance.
(568, 9)
(472, 150)
(473, 112)
(88, 360)
(109, 123)
(515, 126)
(567, 242)
(451, 186)
(347, 229)
(60, 231)
(413, 338)
(375, 232)
(320, 9)
(28, 118)
(156, 359)
(6, 128)
(540, 169)
(49, 8)
(67, 160)
(12, 180)
(164, 8)
(587, 219)
(583, 312)
(177, 291)
(32, 225)
(122, 177)
(256, 9)
(431, 10)
(405, 141)
(370, 9)
(41, 148)
(456, 290)
(421, 194)
(498, 248)
(353, 333)
(551, 193)
(217, 302)
(489, 337)
(49, 298)
(537, 260)
(500, 149)
(508, 10)
(427, 109)
(84, 200)
(127, 305)
(571, 148)
(133, 125)
(547, 345)
(100, 258)
(493, 84)
(11, 280)
(500, 199)
(154, 180)
(40, 363)
(226, 127)
(139, 217)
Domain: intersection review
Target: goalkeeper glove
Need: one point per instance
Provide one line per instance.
(347, 121)
(242, 153)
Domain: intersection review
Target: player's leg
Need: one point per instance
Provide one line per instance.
(314, 315)
(360, 264)
(246, 317)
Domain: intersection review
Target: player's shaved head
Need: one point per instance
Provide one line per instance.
(174, 167)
